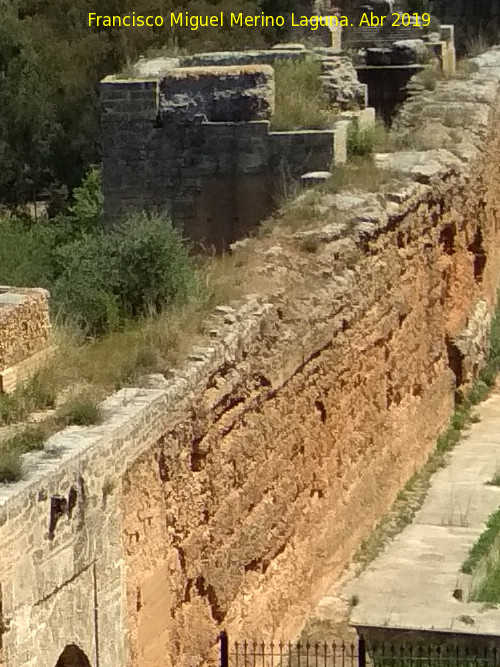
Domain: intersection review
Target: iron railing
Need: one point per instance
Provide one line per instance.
(325, 654)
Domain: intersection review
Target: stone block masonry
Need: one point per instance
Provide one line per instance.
(24, 333)
(235, 492)
(195, 143)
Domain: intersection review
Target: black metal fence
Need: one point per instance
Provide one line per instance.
(324, 654)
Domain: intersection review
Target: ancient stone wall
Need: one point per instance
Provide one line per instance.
(24, 332)
(293, 451)
(236, 492)
(195, 142)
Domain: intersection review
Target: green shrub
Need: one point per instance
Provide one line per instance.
(85, 213)
(29, 255)
(135, 269)
(301, 102)
(82, 295)
(27, 439)
(25, 253)
(38, 393)
(360, 142)
(10, 409)
(80, 411)
(10, 466)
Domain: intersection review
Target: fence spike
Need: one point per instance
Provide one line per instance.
(224, 649)
(361, 652)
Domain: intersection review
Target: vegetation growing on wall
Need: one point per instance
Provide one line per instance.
(301, 102)
(483, 544)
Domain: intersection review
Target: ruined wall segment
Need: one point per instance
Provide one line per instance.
(174, 144)
(191, 138)
(235, 491)
(24, 333)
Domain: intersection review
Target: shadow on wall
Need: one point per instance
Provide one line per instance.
(72, 656)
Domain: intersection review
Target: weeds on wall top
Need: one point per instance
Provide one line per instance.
(301, 102)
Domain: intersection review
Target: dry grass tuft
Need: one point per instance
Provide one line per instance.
(301, 102)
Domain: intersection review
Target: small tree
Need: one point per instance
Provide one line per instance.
(86, 210)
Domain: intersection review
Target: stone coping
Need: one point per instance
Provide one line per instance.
(11, 297)
(231, 333)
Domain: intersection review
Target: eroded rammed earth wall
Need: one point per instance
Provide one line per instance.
(237, 490)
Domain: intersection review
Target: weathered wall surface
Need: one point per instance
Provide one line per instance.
(24, 331)
(237, 491)
(24, 324)
(286, 461)
(195, 142)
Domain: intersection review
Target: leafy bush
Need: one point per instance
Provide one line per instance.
(135, 269)
(29, 255)
(10, 466)
(25, 254)
(80, 411)
(98, 278)
(360, 142)
(38, 393)
(301, 102)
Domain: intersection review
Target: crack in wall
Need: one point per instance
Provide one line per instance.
(59, 588)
